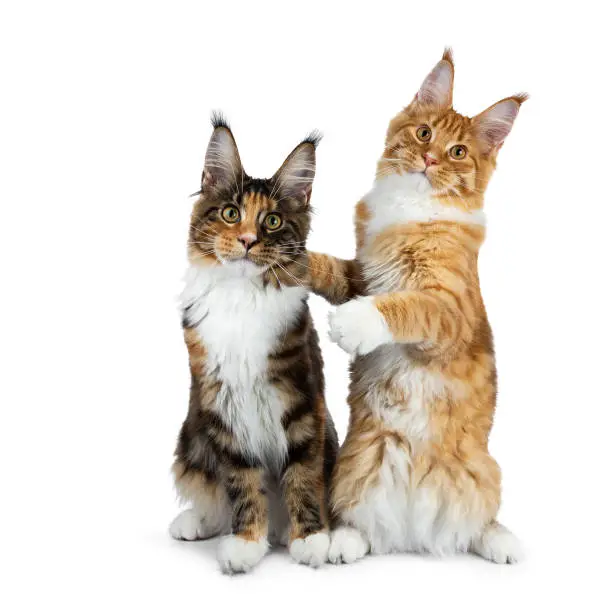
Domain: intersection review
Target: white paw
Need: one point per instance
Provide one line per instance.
(347, 545)
(187, 525)
(311, 550)
(499, 545)
(358, 327)
(235, 554)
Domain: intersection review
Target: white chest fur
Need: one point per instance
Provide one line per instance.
(240, 323)
(395, 200)
(398, 199)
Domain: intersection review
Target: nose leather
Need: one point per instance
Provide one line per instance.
(247, 240)
(429, 160)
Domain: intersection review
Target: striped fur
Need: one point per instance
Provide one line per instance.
(255, 453)
(415, 473)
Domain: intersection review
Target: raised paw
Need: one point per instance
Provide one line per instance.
(188, 525)
(236, 554)
(347, 545)
(358, 327)
(311, 550)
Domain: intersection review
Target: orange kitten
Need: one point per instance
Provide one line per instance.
(415, 473)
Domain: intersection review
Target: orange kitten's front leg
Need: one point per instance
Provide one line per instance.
(430, 319)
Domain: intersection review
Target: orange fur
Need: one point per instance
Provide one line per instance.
(422, 401)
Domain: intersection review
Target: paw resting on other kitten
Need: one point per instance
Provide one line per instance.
(358, 327)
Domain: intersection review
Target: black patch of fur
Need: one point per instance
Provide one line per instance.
(300, 452)
(309, 514)
(218, 120)
(314, 138)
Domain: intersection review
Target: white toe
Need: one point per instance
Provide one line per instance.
(347, 545)
(358, 327)
(311, 550)
(235, 554)
(499, 545)
(187, 526)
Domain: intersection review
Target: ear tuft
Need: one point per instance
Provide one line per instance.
(222, 167)
(218, 119)
(437, 88)
(521, 97)
(295, 177)
(314, 138)
(448, 56)
(494, 124)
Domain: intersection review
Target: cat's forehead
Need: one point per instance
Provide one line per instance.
(447, 123)
(256, 201)
(450, 123)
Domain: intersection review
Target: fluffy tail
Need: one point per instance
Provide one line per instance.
(498, 544)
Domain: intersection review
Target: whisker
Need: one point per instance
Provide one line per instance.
(278, 263)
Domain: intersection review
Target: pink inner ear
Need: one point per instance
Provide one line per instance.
(437, 87)
(496, 122)
(208, 179)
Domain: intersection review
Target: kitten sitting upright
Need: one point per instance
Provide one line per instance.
(256, 451)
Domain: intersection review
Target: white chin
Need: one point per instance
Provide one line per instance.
(422, 183)
(243, 268)
(416, 181)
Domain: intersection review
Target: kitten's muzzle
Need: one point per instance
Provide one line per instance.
(247, 241)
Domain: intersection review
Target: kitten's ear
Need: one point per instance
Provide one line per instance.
(294, 178)
(222, 166)
(494, 124)
(437, 88)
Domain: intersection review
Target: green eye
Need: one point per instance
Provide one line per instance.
(423, 133)
(230, 214)
(458, 152)
(272, 221)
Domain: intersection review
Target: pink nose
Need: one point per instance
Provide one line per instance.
(429, 160)
(247, 240)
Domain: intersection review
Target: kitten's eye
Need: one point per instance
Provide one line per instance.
(458, 152)
(423, 133)
(272, 221)
(230, 214)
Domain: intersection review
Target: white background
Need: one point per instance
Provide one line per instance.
(105, 120)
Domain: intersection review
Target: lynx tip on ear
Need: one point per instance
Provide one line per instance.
(218, 119)
(314, 138)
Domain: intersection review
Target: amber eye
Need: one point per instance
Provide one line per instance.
(273, 222)
(423, 133)
(230, 214)
(458, 152)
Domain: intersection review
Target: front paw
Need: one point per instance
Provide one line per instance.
(358, 327)
(188, 525)
(311, 550)
(236, 554)
(347, 545)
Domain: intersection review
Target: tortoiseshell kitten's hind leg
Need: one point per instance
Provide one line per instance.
(226, 489)
(197, 482)
(207, 514)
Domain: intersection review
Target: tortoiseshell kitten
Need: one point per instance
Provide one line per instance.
(256, 451)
